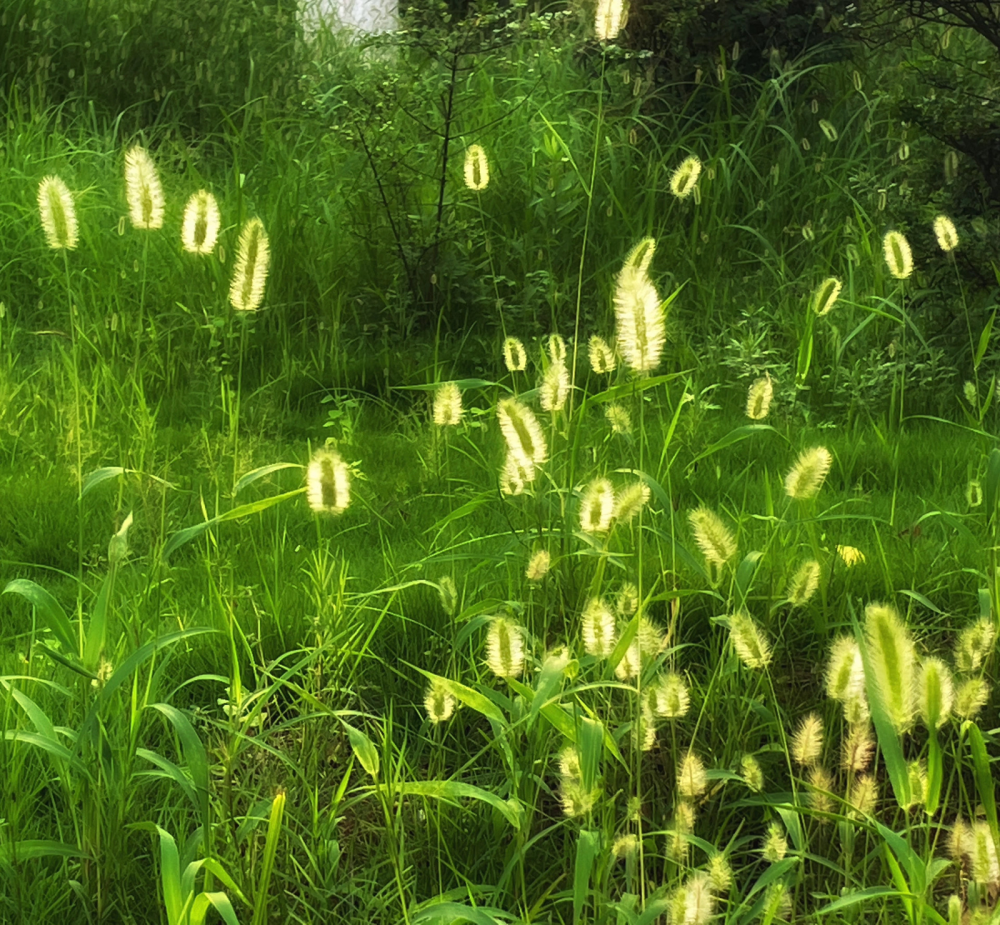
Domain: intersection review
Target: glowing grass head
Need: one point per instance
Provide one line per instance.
(602, 357)
(893, 661)
(55, 207)
(328, 483)
(597, 506)
(974, 644)
(608, 20)
(201, 222)
(629, 501)
(672, 699)
(523, 434)
(642, 331)
(514, 477)
(554, 389)
(618, 418)
(713, 537)
(143, 191)
(627, 600)
(477, 168)
(971, 697)
(250, 274)
(946, 234)
(504, 648)
(807, 743)
(804, 583)
(641, 256)
(557, 348)
(850, 556)
(759, 398)
(826, 295)
(775, 845)
(898, 256)
(514, 357)
(935, 693)
(751, 773)
(692, 781)
(807, 475)
(684, 178)
(439, 702)
(448, 405)
(748, 641)
(845, 672)
(539, 565)
(448, 594)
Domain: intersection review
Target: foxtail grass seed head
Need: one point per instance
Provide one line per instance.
(863, 796)
(828, 130)
(523, 434)
(983, 855)
(935, 693)
(804, 584)
(651, 639)
(641, 256)
(826, 295)
(974, 493)
(807, 475)
(946, 234)
(514, 356)
(328, 482)
(698, 901)
(759, 397)
(619, 419)
(970, 392)
(569, 763)
(143, 191)
(857, 749)
(58, 215)
(631, 662)
(691, 779)
(672, 698)
(720, 874)
(850, 556)
(576, 800)
(597, 506)
(504, 648)
(608, 20)
(557, 349)
(629, 501)
(625, 846)
(775, 844)
(627, 600)
(751, 773)
(916, 775)
(440, 702)
(820, 785)
(954, 909)
(684, 178)
(642, 331)
(645, 729)
(749, 641)
(477, 168)
(974, 644)
(201, 223)
(807, 744)
(602, 357)
(971, 697)
(598, 629)
(448, 594)
(514, 477)
(554, 390)
(713, 537)
(898, 256)
(959, 841)
(253, 256)
(845, 671)
(448, 405)
(893, 660)
(538, 566)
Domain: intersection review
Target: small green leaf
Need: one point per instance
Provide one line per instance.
(363, 748)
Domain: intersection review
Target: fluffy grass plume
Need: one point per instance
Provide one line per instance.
(618, 419)
(971, 697)
(538, 566)
(514, 477)
(448, 405)
(602, 357)
(845, 670)
(328, 483)
(775, 845)
(893, 660)
(672, 699)
(143, 191)
(253, 256)
(630, 500)
(608, 19)
(556, 347)
(448, 594)
(58, 215)
(749, 641)
(751, 773)
(935, 693)
(713, 537)
(641, 256)
(201, 223)
(477, 168)
(504, 648)
(863, 796)
(627, 600)
(597, 506)
(554, 388)
(692, 781)
(857, 749)
(807, 475)
(694, 904)
(759, 397)
(826, 295)
(974, 644)
(820, 786)
(807, 743)
(898, 256)
(642, 331)
(523, 434)
(631, 662)
(514, 356)
(946, 233)
(439, 702)
(684, 178)
(804, 583)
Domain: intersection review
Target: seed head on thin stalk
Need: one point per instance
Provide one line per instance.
(971, 697)
(523, 434)
(538, 566)
(857, 749)
(898, 256)
(608, 20)
(850, 556)
(751, 773)
(597, 506)
(807, 475)
(820, 786)
(627, 600)
(629, 501)
(598, 629)
(440, 703)
(684, 178)
(807, 744)
(775, 845)
(448, 405)
(642, 332)
(143, 191)
(58, 215)
(691, 779)
(250, 273)
(554, 389)
(619, 419)
(671, 696)
(804, 584)
(893, 661)
(556, 348)
(477, 168)
(759, 397)
(826, 295)
(974, 644)
(749, 641)
(504, 648)
(514, 356)
(602, 357)
(328, 483)
(713, 537)
(935, 692)
(514, 477)
(946, 234)
(201, 223)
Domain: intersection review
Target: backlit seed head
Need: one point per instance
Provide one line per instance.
(935, 693)
(807, 475)
(749, 641)
(201, 223)
(554, 389)
(630, 500)
(850, 556)
(974, 493)
(971, 697)
(448, 405)
(569, 763)
(857, 749)
(751, 773)
(804, 583)
(539, 565)
(619, 419)
(576, 800)
(328, 482)
(504, 648)
(514, 357)
(820, 787)
(557, 349)
(627, 601)
(477, 168)
(974, 644)
(652, 641)
(983, 854)
(720, 874)
(608, 20)
(598, 629)
(863, 797)
(672, 697)
(602, 357)
(625, 846)
(916, 775)
(759, 398)
(641, 329)
(597, 506)
(713, 537)
(970, 392)
(250, 273)
(694, 904)
(807, 744)
(641, 256)
(514, 477)
(826, 295)
(691, 779)
(959, 840)
(775, 845)
(644, 733)
(946, 234)
(893, 660)
(143, 191)
(440, 702)
(57, 213)
(828, 130)
(448, 594)
(521, 430)
(898, 256)
(631, 662)
(684, 178)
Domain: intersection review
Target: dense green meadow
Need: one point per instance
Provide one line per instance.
(543, 492)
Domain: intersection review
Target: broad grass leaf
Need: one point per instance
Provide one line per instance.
(446, 913)
(30, 848)
(49, 609)
(588, 844)
(194, 754)
(363, 748)
(260, 473)
(453, 791)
